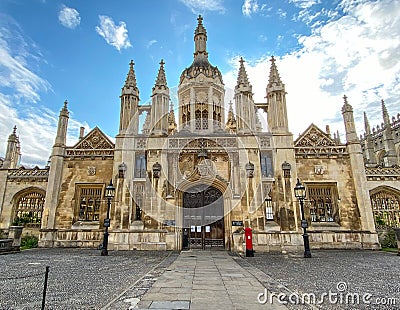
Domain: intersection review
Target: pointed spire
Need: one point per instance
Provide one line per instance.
(242, 76)
(161, 81)
(200, 41)
(231, 121)
(274, 78)
(346, 106)
(131, 77)
(171, 120)
(367, 127)
(386, 118)
(200, 28)
(243, 83)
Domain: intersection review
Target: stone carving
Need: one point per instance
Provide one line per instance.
(319, 169)
(91, 170)
(95, 144)
(34, 174)
(315, 142)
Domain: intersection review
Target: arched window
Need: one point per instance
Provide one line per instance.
(29, 208)
(386, 208)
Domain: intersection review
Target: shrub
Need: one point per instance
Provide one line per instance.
(389, 239)
(28, 242)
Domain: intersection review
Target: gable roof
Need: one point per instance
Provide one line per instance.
(94, 140)
(314, 137)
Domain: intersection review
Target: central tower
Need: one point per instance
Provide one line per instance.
(201, 90)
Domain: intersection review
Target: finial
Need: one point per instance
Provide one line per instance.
(200, 19)
(65, 103)
(171, 106)
(131, 64)
(15, 129)
(272, 59)
(241, 60)
(345, 99)
(162, 63)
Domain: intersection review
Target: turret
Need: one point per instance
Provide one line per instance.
(245, 108)
(347, 112)
(358, 174)
(129, 103)
(13, 155)
(160, 102)
(55, 177)
(276, 100)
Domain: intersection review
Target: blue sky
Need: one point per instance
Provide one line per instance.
(80, 50)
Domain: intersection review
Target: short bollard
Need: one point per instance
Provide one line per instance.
(249, 242)
(46, 277)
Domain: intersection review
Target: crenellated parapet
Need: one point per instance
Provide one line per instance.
(24, 174)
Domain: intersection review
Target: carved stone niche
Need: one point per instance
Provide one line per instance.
(121, 170)
(156, 170)
(249, 169)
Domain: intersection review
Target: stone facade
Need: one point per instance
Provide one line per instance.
(196, 177)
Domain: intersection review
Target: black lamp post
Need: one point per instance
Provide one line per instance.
(300, 193)
(109, 194)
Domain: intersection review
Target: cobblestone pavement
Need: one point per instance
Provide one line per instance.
(82, 279)
(78, 278)
(348, 275)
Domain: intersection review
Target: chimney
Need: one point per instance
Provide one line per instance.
(81, 133)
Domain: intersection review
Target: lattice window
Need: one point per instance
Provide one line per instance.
(140, 166)
(89, 202)
(266, 164)
(201, 119)
(323, 202)
(386, 209)
(138, 192)
(29, 209)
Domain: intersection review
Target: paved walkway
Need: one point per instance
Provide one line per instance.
(205, 280)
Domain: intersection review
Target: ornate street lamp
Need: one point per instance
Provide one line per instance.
(300, 193)
(109, 194)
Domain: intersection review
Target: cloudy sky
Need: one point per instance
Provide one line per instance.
(53, 50)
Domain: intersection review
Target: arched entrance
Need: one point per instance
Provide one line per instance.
(203, 218)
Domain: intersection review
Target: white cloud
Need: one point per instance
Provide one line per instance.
(249, 7)
(114, 35)
(304, 4)
(150, 43)
(69, 17)
(20, 90)
(357, 55)
(200, 6)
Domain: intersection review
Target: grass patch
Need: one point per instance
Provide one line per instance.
(393, 250)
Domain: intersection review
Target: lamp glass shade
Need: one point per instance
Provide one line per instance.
(110, 190)
(299, 190)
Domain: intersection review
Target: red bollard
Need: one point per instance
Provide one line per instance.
(249, 242)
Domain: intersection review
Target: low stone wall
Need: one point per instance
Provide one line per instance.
(292, 241)
(71, 238)
(159, 240)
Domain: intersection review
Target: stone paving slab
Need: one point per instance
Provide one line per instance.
(214, 280)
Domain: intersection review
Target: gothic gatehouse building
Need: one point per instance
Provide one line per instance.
(197, 176)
